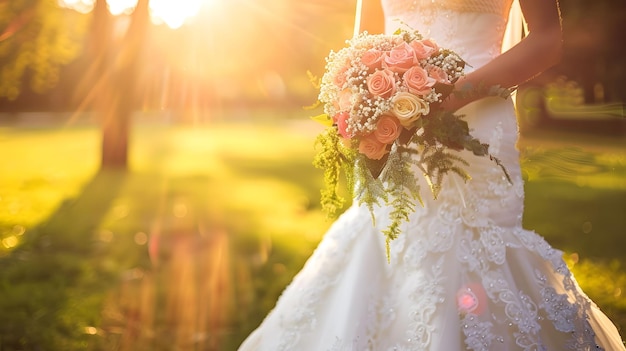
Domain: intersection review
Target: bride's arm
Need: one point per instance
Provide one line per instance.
(372, 19)
(537, 52)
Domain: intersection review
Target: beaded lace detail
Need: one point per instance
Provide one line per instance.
(447, 245)
(396, 7)
(451, 22)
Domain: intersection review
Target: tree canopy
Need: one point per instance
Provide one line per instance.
(37, 37)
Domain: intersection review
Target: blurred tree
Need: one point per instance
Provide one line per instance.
(113, 77)
(37, 37)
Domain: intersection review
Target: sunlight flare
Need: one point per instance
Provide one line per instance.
(121, 7)
(170, 12)
(82, 6)
(174, 13)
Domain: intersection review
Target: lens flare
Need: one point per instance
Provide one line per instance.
(173, 13)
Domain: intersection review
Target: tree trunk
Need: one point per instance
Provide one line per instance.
(119, 96)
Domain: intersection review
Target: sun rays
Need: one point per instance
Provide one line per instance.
(172, 13)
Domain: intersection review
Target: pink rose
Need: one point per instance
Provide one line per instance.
(388, 129)
(382, 83)
(438, 74)
(341, 120)
(372, 148)
(430, 43)
(417, 81)
(373, 59)
(400, 58)
(424, 48)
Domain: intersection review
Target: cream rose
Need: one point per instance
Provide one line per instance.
(345, 100)
(408, 108)
(373, 59)
(382, 83)
(388, 129)
(372, 148)
(400, 58)
(417, 81)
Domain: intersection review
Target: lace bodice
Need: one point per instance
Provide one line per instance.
(474, 29)
(498, 7)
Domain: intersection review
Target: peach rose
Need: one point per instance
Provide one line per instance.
(424, 48)
(430, 43)
(341, 120)
(400, 58)
(373, 59)
(417, 80)
(382, 83)
(340, 78)
(372, 148)
(387, 129)
(345, 100)
(408, 108)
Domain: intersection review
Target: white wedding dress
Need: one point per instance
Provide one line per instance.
(464, 274)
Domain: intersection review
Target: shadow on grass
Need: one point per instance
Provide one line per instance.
(216, 266)
(48, 287)
(207, 293)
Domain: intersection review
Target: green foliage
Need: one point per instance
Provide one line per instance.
(333, 158)
(39, 38)
(451, 131)
(366, 188)
(403, 189)
(438, 163)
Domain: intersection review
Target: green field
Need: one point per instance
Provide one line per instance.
(191, 247)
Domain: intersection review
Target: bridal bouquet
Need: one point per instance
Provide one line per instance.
(381, 96)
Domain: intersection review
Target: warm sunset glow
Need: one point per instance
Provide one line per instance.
(203, 53)
(118, 7)
(82, 6)
(173, 13)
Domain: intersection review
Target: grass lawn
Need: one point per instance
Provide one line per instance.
(190, 249)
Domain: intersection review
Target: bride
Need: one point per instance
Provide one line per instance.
(464, 274)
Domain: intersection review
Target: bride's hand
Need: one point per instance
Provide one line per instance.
(452, 103)
(455, 101)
